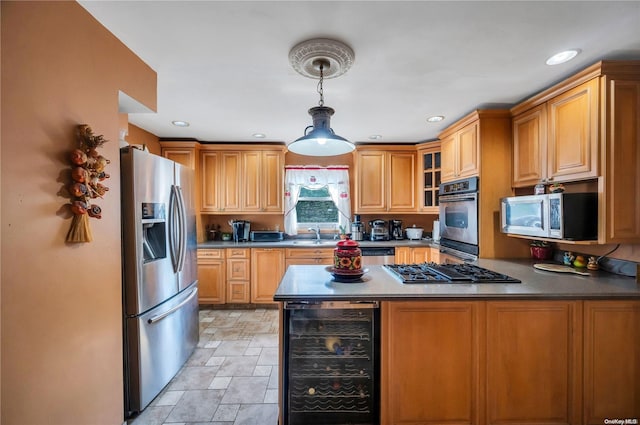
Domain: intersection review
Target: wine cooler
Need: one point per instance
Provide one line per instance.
(331, 363)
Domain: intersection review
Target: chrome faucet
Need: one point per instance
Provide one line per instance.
(317, 230)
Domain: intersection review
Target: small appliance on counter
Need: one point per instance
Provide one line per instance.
(379, 230)
(357, 228)
(395, 229)
(266, 236)
(414, 233)
(241, 230)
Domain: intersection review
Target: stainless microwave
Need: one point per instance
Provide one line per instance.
(570, 216)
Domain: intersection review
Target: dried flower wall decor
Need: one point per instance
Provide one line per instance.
(87, 173)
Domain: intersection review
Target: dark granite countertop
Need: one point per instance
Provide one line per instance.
(310, 243)
(316, 283)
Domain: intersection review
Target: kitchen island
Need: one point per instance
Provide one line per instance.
(554, 349)
(316, 282)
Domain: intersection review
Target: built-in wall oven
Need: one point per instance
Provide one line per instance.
(459, 218)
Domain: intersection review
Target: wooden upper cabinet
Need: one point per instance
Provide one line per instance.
(573, 133)
(460, 153)
(220, 181)
(592, 129)
(480, 144)
(448, 148)
(370, 181)
(557, 141)
(429, 177)
(402, 182)
(229, 181)
(385, 180)
(209, 187)
(251, 164)
(530, 147)
(263, 174)
(619, 203)
(468, 156)
(244, 181)
(184, 153)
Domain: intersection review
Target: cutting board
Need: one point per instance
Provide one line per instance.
(560, 269)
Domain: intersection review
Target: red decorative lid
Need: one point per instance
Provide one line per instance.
(348, 244)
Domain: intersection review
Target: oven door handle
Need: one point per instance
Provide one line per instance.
(459, 198)
(467, 258)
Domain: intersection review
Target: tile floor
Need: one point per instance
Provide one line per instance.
(231, 378)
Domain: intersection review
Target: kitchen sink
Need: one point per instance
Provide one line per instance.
(315, 242)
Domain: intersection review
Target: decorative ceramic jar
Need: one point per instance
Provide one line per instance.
(347, 258)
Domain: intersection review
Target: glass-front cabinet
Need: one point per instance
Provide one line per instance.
(429, 157)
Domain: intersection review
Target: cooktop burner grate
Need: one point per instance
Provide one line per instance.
(447, 273)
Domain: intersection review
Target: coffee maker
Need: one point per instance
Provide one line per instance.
(379, 230)
(395, 229)
(241, 230)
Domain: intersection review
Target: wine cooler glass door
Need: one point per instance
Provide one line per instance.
(331, 363)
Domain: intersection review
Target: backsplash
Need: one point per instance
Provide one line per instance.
(276, 221)
(615, 262)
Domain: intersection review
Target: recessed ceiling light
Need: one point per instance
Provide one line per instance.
(435, 118)
(375, 137)
(259, 135)
(180, 123)
(562, 57)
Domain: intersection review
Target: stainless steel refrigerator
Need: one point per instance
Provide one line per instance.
(160, 286)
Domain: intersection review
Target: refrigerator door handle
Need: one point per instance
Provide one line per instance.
(161, 316)
(182, 226)
(173, 229)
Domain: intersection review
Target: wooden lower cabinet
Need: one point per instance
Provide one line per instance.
(510, 362)
(431, 353)
(403, 255)
(267, 270)
(412, 255)
(533, 362)
(308, 256)
(211, 276)
(611, 361)
(238, 275)
(435, 255)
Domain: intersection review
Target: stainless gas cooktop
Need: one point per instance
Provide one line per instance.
(446, 273)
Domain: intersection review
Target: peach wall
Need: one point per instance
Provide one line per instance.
(61, 303)
(138, 136)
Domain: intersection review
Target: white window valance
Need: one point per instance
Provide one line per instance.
(334, 177)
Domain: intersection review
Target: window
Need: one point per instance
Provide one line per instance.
(316, 207)
(316, 195)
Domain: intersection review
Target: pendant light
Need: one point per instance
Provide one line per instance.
(319, 139)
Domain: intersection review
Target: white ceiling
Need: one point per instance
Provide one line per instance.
(223, 65)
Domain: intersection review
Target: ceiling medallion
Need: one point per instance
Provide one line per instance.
(303, 55)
